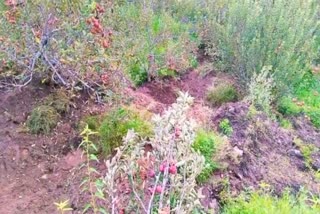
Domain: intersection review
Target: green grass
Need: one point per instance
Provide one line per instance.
(206, 143)
(265, 203)
(42, 120)
(113, 127)
(222, 93)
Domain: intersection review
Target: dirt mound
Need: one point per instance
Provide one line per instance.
(261, 152)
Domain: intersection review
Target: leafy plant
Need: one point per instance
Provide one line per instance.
(263, 202)
(162, 179)
(91, 184)
(205, 143)
(42, 119)
(63, 206)
(116, 125)
(260, 91)
(225, 127)
(222, 93)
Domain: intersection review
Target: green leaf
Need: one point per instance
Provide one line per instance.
(94, 157)
(86, 208)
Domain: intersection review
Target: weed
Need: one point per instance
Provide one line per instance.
(63, 206)
(306, 150)
(263, 202)
(59, 100)
(260, 91)
(285, 123)
(42, 119)
(222, 93)
(205, 143)
(115, 126)
(225, 127)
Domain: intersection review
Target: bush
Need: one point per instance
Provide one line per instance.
(116, 125)
(225, 127)
(262, 202)
(205, 143)
(59, 100)
(248, 35)
(260, 91)
(160, 180)
(222, 93)
(42, 119)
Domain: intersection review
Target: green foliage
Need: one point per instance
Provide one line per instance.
(42, 119)
(262, 202)
(248, 35)
(222, 93)
(306, 150)
(260, 91)
(116, 125)
(59, 100)
(285, 123)
(152, 41)
(225, 127)
(206, 144)
(287, 107)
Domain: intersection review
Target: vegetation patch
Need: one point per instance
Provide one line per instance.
(113, 127)
(207, 143)
(263, 202)
(42, 119)
(222, 93)
(225, 127)
(59, 100)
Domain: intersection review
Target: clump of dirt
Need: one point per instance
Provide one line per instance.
(261, 152)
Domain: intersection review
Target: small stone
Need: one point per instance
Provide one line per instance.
(238, 152)
(44, 177)
(295, 152)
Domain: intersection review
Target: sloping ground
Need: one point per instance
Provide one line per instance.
(36, 171)
(262, 153)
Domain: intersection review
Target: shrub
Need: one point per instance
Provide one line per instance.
(116, 125)
(260, 91)
(160, 180)
(287, 107)
(222, 93)
(225, 127)
(59, 100)
(262, 202)
(248, 35)
(205, 143)
(42, 119)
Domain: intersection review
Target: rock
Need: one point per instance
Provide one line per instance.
(316, 164)
(238, 152)
(295, 153)
(44, 177)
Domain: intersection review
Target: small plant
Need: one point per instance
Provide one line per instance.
(306, 150)
(260, 90)
(63, 206)
(59, 100)
(285, 123)
(42, 119)
(263, 202)
(160, 180)
(91, 184)
(115, 126)
(205, 144)
(225, 127)
(222, 93)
